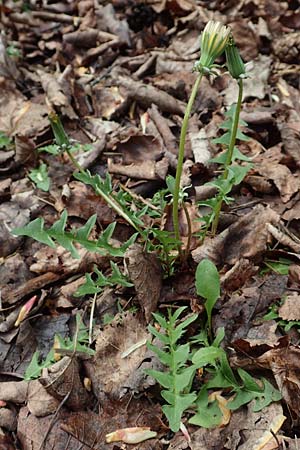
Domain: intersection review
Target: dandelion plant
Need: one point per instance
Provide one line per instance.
(236, 69)
(213, 42)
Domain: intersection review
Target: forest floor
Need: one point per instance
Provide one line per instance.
(118, 75)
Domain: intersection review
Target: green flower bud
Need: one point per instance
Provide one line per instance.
(60, 135)
(234, 61)
(214, 39)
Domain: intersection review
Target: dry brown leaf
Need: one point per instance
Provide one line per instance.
(147, 170)
(290, 310)
(110, 372)
(8, 419)
(145, 94)
(284, 180)
(62, 379)
(246, 238)
(109, 102)
(91, 429)
(146, 274)
(34, 431)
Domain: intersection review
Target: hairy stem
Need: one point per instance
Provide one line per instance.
(229, 154)
(181, 157)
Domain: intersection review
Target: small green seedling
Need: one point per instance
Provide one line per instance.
(176, 357)
(272, 314)
(40, 177)
(5, 141)
(96, 285)
(208, 286)
(78, 344)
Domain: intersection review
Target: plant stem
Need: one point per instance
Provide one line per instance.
(74, 161)
(181, 158)
(229, 154)
(189, 225)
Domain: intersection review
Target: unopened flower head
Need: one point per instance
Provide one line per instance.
(214, 39)
(234, 61)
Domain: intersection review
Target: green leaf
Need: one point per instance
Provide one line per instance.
(223, 140)
(208, 414)
(174, 411)
(178, 379)
(236, 154)
(161, 320)
(208, 285)
(163, 378)
(206, 355)
(35, 230)
(52, 149)
(40, 177)
(249, 382)
(162, 337)
(164, 357)
(183, 379)
(207, 280)
(117, 278)
(208, 417)
(181, 354)
(238, 173)
(5, 141)
(263, 395)
(35, 368)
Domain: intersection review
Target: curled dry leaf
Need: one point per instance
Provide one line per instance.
(62, 379)
(146, 94)
(146, 274)
(146, 170)
(40, 402)
(8, 419)
(246, 238)
(282, 177)
(132, 435)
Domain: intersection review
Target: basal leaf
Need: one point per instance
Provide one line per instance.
(163, 378)
(174, 411)
(206, 355)
(208, 281)
(35, 230)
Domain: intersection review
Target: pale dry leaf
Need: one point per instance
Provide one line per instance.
(290, 310)
(254, 86)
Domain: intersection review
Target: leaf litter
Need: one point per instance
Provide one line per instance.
(120, 74)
